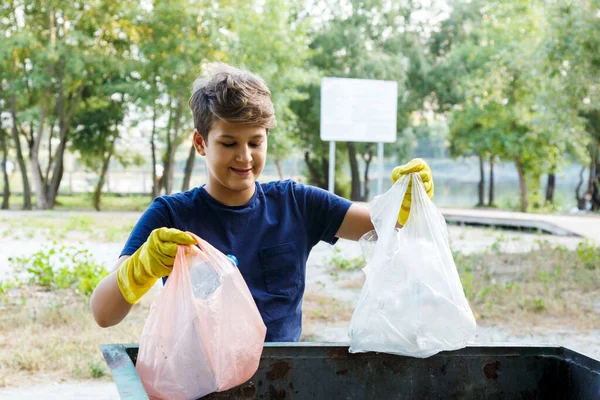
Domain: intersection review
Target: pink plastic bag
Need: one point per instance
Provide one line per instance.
(204, 333)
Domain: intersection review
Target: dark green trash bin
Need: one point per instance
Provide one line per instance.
(328, 371)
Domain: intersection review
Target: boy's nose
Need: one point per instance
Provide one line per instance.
(244, 155)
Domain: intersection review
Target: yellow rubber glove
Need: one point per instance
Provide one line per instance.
(415, 165)
(153, 260)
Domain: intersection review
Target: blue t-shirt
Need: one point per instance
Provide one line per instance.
(271, 236)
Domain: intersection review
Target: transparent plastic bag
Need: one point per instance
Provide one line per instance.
(412, 302)
(204, 333)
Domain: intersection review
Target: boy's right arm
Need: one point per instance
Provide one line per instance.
(134, 275)
(108, 305)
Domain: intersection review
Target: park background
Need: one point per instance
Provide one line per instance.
(502, 99)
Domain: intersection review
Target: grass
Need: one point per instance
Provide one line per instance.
(56, 267)
(319, 311)
(46, 327)
(551, 282)
(319, 308)
(54, 336)
(84, 202)
(77, 226)
(338, 262)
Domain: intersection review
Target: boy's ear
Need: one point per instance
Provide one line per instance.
(199, 143)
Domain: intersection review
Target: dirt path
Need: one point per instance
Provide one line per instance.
(63, 391)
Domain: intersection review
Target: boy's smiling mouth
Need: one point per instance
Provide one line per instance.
(241, 172)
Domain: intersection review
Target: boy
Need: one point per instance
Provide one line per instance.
(270, 227)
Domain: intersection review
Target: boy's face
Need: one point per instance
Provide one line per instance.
(235, 156)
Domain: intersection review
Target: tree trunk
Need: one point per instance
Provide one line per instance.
(592, 175)
(189, 167)
(172, 148)
(355, 183)
(39, 184)
(64, 125)
(481, 185)
(155, 183)
(550, 187)
(50, 158)
(102, 179)
(594, 184)
(279, 169)
(578, 197)
(522, 184)
(6, 190)
(491, 193)
(162, 182)
(368, 158)
(325, 168)
(20, 158)
(315, 177)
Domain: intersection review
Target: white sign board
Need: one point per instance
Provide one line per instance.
(358, 110)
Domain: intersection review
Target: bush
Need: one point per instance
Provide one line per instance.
(60, 267)
(588, 254)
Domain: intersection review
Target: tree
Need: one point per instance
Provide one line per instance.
(58, 49)
(12, 82)
(173, 44)
(95, 137)
(278, 53)
(460, 50)
(5, 177)
(516, 96)
(369, 40)
(468, 135)
(571, 58)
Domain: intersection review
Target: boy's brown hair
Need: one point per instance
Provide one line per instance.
(232, 95)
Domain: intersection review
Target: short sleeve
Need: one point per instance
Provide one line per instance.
(157, 215)
(323, 212)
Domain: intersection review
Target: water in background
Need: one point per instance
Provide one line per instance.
(455, 180)
(456, 183)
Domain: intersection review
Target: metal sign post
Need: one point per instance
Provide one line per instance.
(380, 172)
(331, 183)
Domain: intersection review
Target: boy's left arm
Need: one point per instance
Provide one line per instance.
(357, 221)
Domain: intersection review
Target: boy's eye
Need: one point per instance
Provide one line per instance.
(228, 144)
(255, 144)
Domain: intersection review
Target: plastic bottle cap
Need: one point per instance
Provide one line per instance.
(233, 258)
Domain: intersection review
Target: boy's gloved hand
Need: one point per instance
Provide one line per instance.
(419, 166)
(153, 260)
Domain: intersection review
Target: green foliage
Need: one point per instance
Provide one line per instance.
(498, 242)
(341, 263)
(536, 305)
(53, 56)
(110, 202)
(60, 267)
(96, 370)
(516, 80)
(550, 279)
(519, 81)
(80, 222)
(368, 40)
(5, 287)
(588, 254)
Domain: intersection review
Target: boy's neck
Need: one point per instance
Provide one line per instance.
(229, 197)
